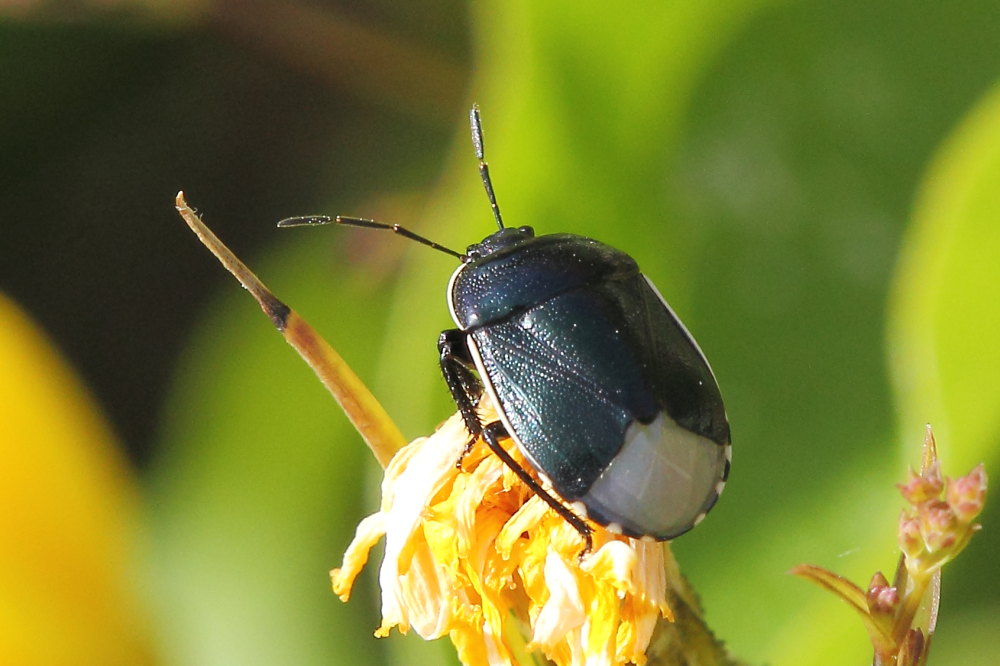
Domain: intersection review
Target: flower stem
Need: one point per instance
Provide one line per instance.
(365, 413)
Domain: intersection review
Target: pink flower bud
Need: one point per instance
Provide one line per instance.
(911, 542)
(938, 525)
(921, 488)
(882, 598)
(967, 494)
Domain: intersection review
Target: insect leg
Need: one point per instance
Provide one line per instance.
(490, 434)
(465, 387)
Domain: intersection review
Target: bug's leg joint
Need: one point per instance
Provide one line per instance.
(466, 389)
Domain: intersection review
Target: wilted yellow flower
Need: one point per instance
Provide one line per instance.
(474, 554)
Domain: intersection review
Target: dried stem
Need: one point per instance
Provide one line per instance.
(361, 407)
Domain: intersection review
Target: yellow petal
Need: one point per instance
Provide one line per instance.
(369, 532)
(67, 515)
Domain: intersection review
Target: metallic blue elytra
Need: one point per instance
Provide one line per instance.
(592, 374)
(595, 378)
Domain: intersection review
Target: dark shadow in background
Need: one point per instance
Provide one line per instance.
(104, 121)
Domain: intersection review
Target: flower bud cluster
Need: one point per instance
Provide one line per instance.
(933, 530)
(939, 521)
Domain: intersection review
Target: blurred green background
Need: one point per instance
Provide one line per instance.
(814, 187)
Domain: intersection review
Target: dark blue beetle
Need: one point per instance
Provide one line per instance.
(593, 376)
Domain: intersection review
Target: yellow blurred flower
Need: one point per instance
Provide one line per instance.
(474, 554)
(67, 515)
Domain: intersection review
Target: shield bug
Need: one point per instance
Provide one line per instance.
(594, 377)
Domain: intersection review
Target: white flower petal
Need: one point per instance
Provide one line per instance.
(428, 466)
(564, 609)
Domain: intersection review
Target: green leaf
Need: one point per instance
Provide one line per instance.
(945, 309)
(850, 593)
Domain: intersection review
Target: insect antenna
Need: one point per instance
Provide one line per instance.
(484, 170)
(314, 220)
